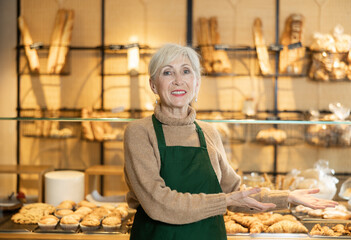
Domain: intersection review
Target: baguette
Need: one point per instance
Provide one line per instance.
(220, 61)
(56, 40)
(290, 60)
(31, 54)
(205, 44)
(65, 42)
(261, 48)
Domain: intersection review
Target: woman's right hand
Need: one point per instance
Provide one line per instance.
(242, 199)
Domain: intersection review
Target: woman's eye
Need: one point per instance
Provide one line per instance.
(186, 71)
(167, 73)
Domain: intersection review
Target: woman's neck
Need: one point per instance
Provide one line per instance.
(175, 112)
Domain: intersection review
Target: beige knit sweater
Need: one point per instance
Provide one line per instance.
(142, 168)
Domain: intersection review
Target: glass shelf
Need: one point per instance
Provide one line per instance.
(234, 121)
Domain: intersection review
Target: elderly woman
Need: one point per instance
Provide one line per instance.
(175, 166)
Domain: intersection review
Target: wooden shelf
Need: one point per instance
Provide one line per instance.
(101, 170)
(40, 170)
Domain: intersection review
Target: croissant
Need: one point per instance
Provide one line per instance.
(263, 216)
(316, 230)
(339, 230)
(232, 227)
(244, 220)
(227, 218)
(287, 226)
(253, 223)
(324, 231)
(257, 227)
(276, 217)
(289, 217)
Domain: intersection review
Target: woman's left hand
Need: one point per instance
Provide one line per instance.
(304, 197)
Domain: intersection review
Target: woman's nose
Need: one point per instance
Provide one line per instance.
(178, 80)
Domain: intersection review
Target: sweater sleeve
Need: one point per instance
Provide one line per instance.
(148, 188)
(230, 181)
(278, 197)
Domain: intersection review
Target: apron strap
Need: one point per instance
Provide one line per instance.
(201, 135)
(161, 138)
(159, 132)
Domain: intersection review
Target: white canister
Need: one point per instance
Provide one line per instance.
(64, 185)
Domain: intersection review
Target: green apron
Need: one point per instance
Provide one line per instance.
(186, 170)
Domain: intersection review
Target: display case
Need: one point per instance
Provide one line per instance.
(262, 118)
(256, 167)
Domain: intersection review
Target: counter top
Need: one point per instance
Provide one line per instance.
(47, 236)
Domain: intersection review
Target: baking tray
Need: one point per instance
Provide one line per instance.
(10, 226)
(330, 223)
(238, 234)
(278, 235)
(57, 229)
(122, 230)
(306, 217)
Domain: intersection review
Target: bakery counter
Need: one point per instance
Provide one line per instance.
(284, 225)
(48, 236)
(43, 236)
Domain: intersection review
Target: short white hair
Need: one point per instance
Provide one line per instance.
(168, 53)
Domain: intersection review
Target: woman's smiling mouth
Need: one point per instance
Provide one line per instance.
(178, 93)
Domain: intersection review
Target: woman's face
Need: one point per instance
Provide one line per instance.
(176, 84)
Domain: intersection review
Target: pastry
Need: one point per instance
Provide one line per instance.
(101, 212)
(48, 222)
(261, 48)
(70, 219)
(302, 209)
(289, 217)
(31, 53)
(83, 211)
(253, 223)
(271, 136)
(85, 203)
(70, 222)
(316, 212)
(111, 223)
(109, 207)
(323, 231)
(121, 211)
(290, 60)
(66, 204)
(50, 219)
(276, 217)
(32, 213)
(336, 215)
(65, 41)
(263, 216)
(232, 227)
(287, 226)
(90, 223)
(339, 229)
(63, 212)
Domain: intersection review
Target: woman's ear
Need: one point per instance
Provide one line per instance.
(153, 86)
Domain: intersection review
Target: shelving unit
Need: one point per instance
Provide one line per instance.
(105, 51)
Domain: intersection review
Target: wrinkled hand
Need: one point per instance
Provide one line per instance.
(242, 199)
(304, 197)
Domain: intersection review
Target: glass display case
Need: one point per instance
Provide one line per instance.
(274, 153)
(75, 120)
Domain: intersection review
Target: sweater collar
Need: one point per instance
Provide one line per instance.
(175, 121)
